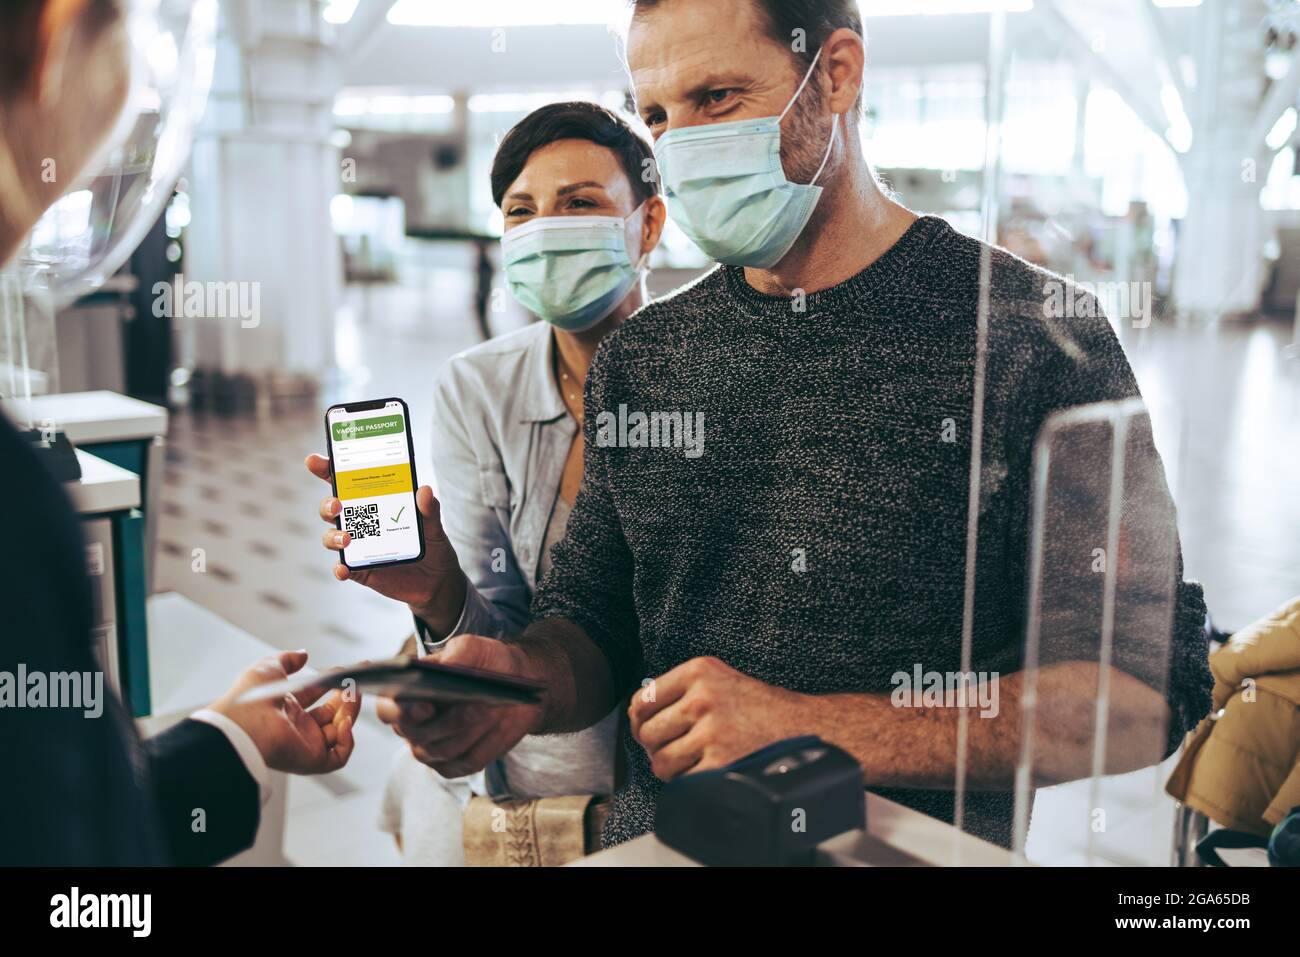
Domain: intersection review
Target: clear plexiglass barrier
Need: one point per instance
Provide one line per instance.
(1075, 609)
(1101, 618)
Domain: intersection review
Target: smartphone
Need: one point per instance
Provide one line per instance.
(372, 471)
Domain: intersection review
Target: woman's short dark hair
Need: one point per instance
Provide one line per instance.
(574, 121)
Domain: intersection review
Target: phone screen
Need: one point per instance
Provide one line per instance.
(374, 478)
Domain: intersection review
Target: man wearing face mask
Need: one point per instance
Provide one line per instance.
(773, 585)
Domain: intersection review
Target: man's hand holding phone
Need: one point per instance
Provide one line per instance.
(434, 587)
(459, 739)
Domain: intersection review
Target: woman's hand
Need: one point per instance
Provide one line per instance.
(434, 587)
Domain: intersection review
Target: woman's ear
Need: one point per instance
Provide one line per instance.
(652, 223)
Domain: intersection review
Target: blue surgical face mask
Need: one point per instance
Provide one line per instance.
(726, 189)
(570, 270)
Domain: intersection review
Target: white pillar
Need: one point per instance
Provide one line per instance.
(264, 171)
(1220, 268)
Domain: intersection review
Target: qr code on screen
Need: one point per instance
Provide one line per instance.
(361, 521)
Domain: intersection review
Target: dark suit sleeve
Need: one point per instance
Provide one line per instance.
(80, 789)
(208, 805)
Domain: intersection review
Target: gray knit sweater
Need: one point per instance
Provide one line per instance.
(818, 542)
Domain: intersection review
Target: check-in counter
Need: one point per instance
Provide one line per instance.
(120, 445)
(895, 836)
(127, 432)
(107, 499)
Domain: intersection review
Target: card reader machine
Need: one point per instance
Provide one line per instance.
(772, 807)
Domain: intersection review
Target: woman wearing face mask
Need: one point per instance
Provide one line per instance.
(581, 219)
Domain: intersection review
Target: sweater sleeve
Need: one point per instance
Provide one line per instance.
(592, 571)
(1158, 633)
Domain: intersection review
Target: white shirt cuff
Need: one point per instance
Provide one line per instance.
(244, 747)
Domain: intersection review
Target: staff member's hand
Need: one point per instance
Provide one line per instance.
(433, 588)
(459, 739)
(289, 737)
(705, 714)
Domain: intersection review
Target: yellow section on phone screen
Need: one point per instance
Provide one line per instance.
(367, 483)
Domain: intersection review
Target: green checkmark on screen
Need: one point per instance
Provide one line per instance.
(398, 515)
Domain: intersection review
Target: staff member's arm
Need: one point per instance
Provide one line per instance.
(210, 773)
(81, 788)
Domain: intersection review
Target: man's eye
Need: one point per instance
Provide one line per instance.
(654, 119)
(718, 96)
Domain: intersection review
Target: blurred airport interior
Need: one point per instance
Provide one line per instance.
(338, 188)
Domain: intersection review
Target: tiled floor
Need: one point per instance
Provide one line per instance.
(1226, 403)
(1233, 396)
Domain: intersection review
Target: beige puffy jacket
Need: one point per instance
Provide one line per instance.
(1241, 766)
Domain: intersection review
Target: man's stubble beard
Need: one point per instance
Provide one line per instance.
(806, 136)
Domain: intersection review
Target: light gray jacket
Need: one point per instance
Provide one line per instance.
(501, 435)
